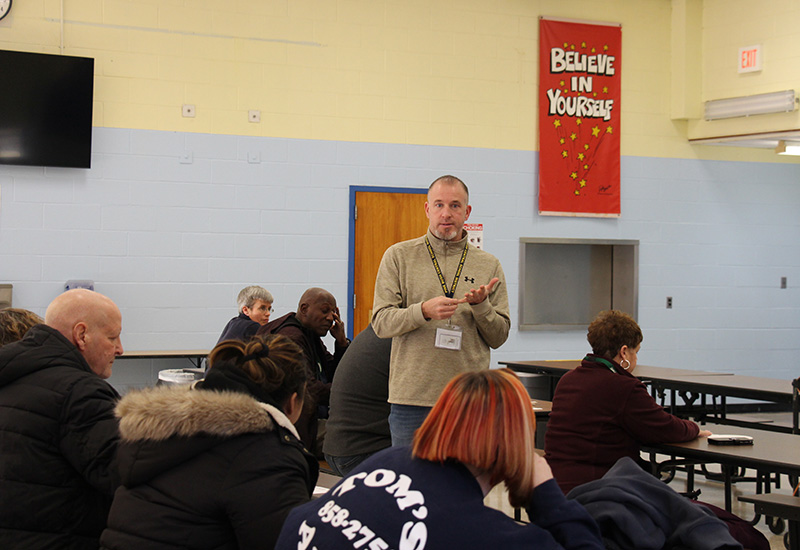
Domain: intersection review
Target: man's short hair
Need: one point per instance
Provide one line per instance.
(250, 294)
(450, 180)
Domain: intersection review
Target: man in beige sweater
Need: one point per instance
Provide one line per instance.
(443, 302)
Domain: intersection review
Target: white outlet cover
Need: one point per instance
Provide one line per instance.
(254, 116)
(188, 111)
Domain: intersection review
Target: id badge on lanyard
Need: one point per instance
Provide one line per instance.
(448, 337)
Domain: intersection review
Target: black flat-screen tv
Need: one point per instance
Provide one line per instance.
(46, 109)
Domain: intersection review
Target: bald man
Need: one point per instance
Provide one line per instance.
(58, 432)
(316, 316)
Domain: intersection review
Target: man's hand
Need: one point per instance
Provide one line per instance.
(476, 296)
(440, 307)
(337, 329)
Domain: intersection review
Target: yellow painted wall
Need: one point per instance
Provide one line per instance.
(729, 25)
(433, 72)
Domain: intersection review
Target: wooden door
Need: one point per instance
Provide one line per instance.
(381, 219)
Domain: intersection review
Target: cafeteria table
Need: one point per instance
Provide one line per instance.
(770, 453)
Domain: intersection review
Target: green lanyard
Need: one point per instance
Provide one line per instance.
(605, 362)
(449, 293)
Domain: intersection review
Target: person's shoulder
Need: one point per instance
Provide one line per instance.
(64, 370)
(482, 255)
(407, 244)
(282, 324)
(88, 385)
(391, 457)
(286, 453)
(597, 375)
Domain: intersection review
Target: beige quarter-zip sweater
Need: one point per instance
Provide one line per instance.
(419, 371)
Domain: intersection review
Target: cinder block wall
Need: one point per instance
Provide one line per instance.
(177, 214)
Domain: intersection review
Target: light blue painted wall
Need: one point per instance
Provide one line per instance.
(173, 242)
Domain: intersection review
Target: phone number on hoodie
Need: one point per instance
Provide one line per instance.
(333, 514)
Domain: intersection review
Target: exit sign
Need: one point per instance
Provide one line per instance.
(750, 59)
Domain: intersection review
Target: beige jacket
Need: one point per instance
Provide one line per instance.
(419, 371)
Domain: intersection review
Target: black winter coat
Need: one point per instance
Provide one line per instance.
(58, 439)
(205, 469)
(320, 369)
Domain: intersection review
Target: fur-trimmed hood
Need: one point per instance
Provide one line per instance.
(166, 426)
(167, 411)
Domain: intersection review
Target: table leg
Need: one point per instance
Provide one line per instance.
(726, 470)
(794, 535)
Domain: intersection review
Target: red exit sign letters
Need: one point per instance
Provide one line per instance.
(750, 59)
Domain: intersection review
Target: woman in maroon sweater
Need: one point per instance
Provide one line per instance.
(601, 412)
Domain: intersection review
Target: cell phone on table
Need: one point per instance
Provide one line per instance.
(727, 439)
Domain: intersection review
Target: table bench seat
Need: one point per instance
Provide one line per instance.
(779, 506)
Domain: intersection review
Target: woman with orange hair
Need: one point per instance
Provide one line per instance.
(479, 433)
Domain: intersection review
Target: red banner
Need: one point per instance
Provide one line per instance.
(579, 116)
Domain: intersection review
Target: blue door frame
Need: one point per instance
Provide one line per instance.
(351, 246)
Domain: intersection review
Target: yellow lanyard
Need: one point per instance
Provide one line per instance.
(449, 293)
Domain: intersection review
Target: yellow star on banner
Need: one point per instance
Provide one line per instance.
(605, 48)
(594, 50)
(583, 183)
(564, 154)
(585, 166)
(557, 123)
(565, 44)
(586, 146)
(583, 44)
(609, 130)
(578, 121)
(605, 89)
(562, 141)
(596, 131)
(580, 156)
(577, 192)
(572, 47)
(574, 175)
(573, 136)
(562, 83)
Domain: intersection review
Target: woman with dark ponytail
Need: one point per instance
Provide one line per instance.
(215, 465)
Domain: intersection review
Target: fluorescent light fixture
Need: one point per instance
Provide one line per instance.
(790, 148)
(759, 104)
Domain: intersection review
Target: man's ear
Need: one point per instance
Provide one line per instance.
(303, 308)
(79, 334)
(469, 211)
